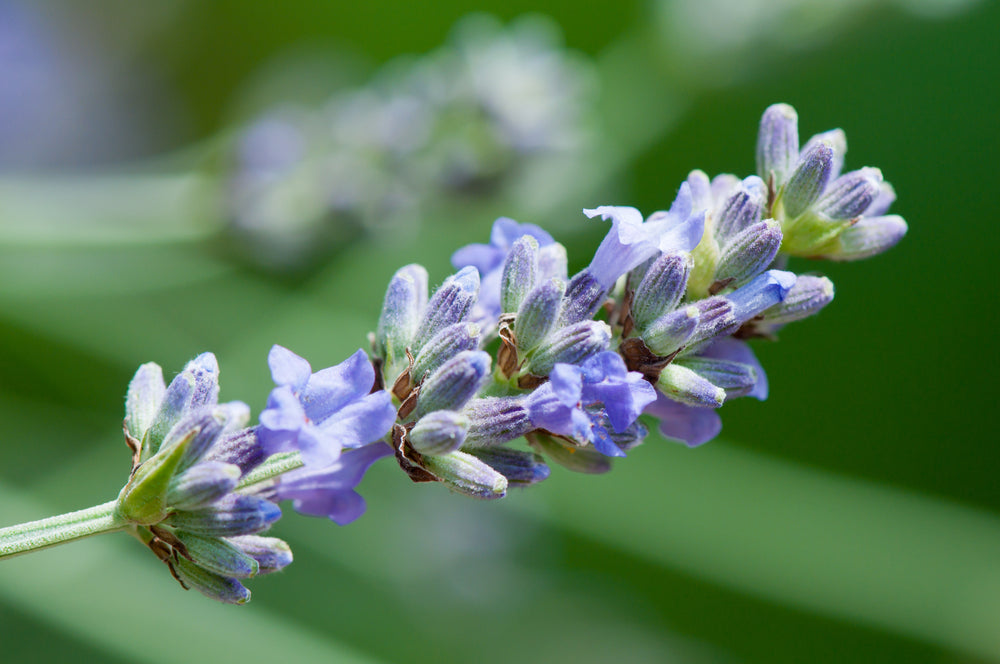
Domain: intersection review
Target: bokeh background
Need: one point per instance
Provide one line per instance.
(854, 516)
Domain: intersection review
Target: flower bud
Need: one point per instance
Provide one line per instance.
(202, 485)
(584, 296)
(715, 317)
(197, 385)
(571, 345)
(520, 468)
(736, 378)
(444, 345)
(575, 458)
(519, 273)
(749, 252)
(662, 288)
(671, 331)
(778, 142)
(439, 432)
(405, 300)
(851, 194)
(145, 393)
(235, 514)
(217, 555)
(743, 208)
(241, 448)
(684, 385)
(496, 420)
(271, 553)
(450, 304)
(837, 140)
(211, 423)
(467, 475)
(806, 297)
(454, 382)
(214, 586)
(870, 236)
(538, 313)
(809, 179)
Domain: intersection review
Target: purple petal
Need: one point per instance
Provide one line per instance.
(287, 368)
(566, 383)
(483, 257)
(361, 422)
(687, 424)
(331, 389)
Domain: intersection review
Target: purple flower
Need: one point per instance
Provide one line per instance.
(489, 259)
(329, 491)
(691, 425)
(632, 240)
(580, 401)
(319, 413)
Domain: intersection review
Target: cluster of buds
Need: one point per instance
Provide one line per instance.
(508, 347)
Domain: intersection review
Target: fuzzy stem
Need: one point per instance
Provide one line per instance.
(37, 535)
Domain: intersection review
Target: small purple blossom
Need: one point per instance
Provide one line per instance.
(580, 401)
(328, 491)
(300, 410)
(632, 240)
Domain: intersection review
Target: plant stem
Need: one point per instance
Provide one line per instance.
(37, 535)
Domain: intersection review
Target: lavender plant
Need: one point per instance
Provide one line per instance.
(509, 347)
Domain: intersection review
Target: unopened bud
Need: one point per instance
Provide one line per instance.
(749, 252)
(870, 236)
(439, 432)
(145, 393)
(202, 485)
(736, 378)
(520, 468)
(217, 555)
(215, 586)
(271, 553)
(538, 314)
(662, 288)
(467, 475)
(806, 297)
(519, 273)
(450, 304)
(778, 142)
(809, 179)
(851, 194)
(234, 514)
(454, 382)
(686, 386)
(571, 345)
(405, 300)
(671, 331)
(443, 346)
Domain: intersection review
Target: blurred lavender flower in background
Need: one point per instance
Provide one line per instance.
(470, 119)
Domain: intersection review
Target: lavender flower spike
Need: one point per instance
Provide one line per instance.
(319, 413)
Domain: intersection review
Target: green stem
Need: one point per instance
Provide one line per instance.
(37, 535)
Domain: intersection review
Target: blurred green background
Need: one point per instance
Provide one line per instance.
(854, 516)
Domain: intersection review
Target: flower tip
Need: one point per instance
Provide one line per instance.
(785, 280)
